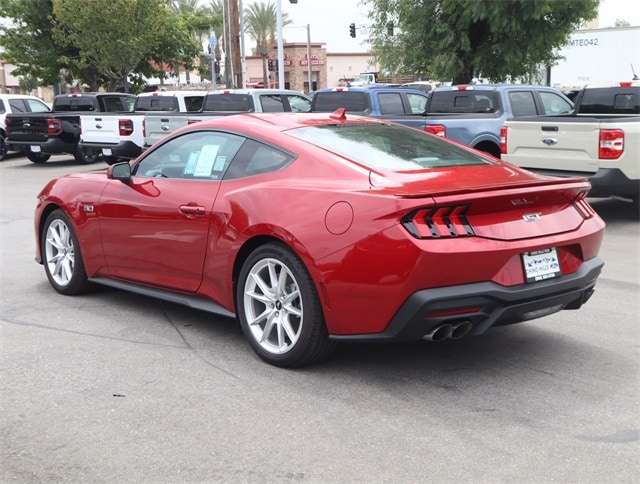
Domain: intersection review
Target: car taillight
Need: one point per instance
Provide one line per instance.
(193, 121)
(503, 140)
(436, 130)
(125, 126)
(582, 206)
(54, 127)
(611, 144)
(439, 222)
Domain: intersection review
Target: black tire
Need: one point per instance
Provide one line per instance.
(61, 255)
(3, 148)
(86, 156)
(38, 157)
(288, 328)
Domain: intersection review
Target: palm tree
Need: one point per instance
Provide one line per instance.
(261, 22)
(197, 20)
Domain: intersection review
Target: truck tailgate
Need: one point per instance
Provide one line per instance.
(552, 145)
(100, 129)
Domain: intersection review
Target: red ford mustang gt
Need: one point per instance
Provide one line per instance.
(314, 229)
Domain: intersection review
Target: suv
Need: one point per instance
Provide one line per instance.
(16, 103)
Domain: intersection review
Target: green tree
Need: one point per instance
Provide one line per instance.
(197, 21)
(453, 39)
(115, 37)
(261, 24)
(27, 40)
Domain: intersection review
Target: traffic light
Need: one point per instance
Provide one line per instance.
(352, 30)
(216, 66)
(272, 64)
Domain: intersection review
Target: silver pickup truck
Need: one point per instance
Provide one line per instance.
(224, 103)
(599, 140)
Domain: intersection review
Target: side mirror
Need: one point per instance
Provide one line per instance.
(120, 171)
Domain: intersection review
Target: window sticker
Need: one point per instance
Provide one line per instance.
(204, 165)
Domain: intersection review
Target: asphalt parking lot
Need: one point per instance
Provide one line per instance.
(117, 387)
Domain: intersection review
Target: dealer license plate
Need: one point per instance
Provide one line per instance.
(35, 149)
(541, 265)
(106, 151)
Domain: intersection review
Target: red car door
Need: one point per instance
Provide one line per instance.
(155, 227)
(155, 231)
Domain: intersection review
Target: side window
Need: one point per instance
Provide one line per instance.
(36, 106)
(2, 108)
(193, 103)
(256, 158)
(203, 155)
(554, 104)
(299, 104)
(272, 103)
(522, 103)
(417, 102)
(390, 103)
(17, 105)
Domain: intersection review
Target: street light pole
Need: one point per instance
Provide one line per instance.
(280, 46)
(309, 57)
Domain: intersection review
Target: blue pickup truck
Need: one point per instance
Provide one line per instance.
(396, 104)
(474, 114)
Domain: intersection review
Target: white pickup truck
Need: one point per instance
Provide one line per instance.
(121, 136)
(224, 103)
(599, 140)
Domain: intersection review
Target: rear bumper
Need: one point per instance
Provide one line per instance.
(123, 149)
(606, 182)
(609, 182)
(485, 304)
(50, 147)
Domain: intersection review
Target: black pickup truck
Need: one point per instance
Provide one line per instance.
(40, 135)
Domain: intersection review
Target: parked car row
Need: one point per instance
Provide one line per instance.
(490, 118)
(118, 126)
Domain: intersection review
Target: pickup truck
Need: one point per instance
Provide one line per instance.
(473, 115)
(120, 136)
(599, 140)
(395, 104)
(16, 103)
(223, 103)
(40, 135)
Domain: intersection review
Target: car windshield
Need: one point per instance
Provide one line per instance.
(387, 147)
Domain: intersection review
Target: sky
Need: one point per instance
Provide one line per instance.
(329, 20)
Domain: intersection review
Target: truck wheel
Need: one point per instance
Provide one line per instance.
(38, 157)
(3, 148)
(86, 156)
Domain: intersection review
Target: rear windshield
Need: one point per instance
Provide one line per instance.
(157, 103)
(464, 102)
(74, 104)
(228, 102)
(610, 101)
(352, 101)
(387, 147)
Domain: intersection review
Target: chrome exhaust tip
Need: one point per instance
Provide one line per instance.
(460, 330)
(439, 333)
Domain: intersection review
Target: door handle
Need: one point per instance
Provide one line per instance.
(193, 209)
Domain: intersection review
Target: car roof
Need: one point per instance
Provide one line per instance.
(257, 90)
(174, 93)
(370, 87)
